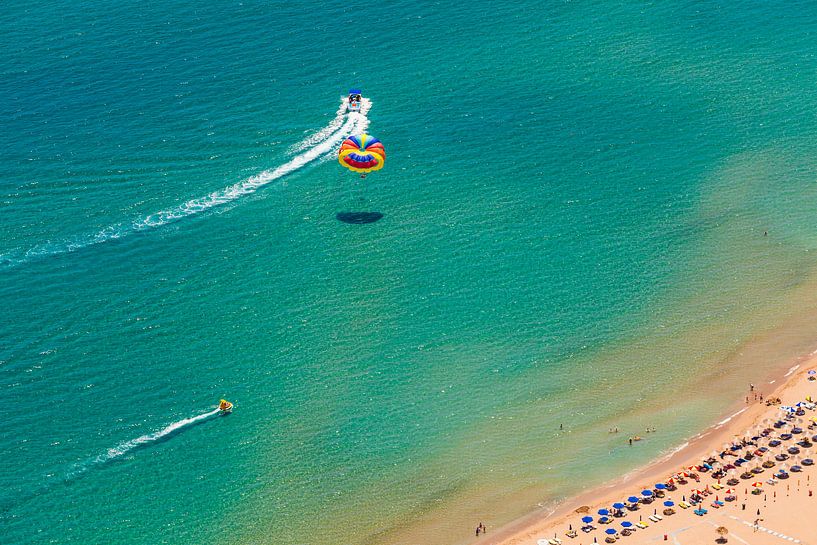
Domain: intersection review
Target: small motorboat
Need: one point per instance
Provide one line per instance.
(355, 100)
(225, 407)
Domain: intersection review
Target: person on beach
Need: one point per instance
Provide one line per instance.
(751, 387)
(478, 529)
(631, 441)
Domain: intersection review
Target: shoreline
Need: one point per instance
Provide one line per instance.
(738, 417)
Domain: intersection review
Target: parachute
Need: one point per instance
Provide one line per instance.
(362, 154)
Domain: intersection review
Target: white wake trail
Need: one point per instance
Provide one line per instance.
(127, 446)
(322, 143)
(326, 132)
(123, 448)
(355, 122)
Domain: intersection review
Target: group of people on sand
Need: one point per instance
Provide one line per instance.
(481, 529)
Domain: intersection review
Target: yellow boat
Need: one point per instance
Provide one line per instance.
(225, 406)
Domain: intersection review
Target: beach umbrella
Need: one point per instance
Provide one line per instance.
(627, 524)
(668, 504)
(646, 493)
(632, 499)
(660, 486)
(812, 372)
(611, 531)
(604, 512)
(587, 520)
(618, 505)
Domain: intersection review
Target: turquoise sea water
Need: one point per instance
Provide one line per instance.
(574, 200)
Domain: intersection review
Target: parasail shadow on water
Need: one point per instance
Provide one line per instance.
(358, 218)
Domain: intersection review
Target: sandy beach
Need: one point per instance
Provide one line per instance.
(783, 509)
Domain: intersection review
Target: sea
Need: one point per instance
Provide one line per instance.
(592, 215)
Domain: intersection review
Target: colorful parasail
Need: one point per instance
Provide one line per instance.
(362, 153)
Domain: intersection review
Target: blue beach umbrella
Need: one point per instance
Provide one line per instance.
(660, 486)
(668, 504)
(618, 505)
(604, 512)
(646, 493)
(632, 499)
(626, 523)
(611, 531)
(587, 520)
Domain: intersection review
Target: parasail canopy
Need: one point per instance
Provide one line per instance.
(362, 153)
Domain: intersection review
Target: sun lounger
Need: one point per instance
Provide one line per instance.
(717, 486)
(683, 505)
(715, 505)
(653, 518)
(642, 525)
(659, 517)
(571, 534)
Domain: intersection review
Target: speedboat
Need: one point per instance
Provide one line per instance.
(225, 406)
(355, 100)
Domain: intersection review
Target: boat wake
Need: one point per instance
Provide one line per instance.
(318, 145)
(80, 469)
(142, 441)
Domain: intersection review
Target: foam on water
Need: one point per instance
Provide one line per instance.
(128, 446)
(316, 146)
(324, 133)
(111, 454)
